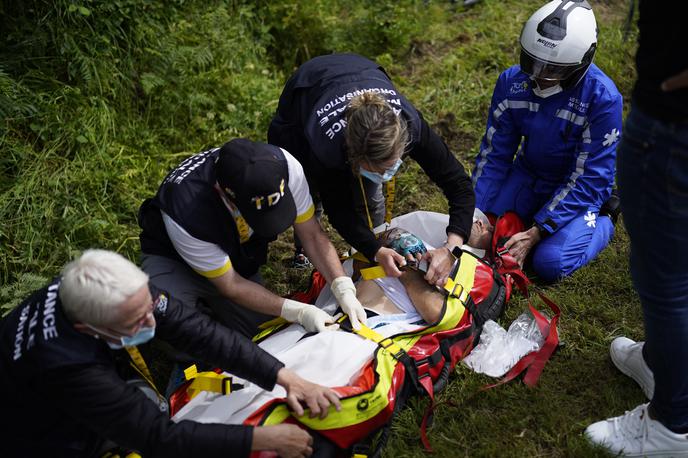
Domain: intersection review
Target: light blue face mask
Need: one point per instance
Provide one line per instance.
(380, 178)
(143, 335)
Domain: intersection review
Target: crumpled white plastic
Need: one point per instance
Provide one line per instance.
(499, 350)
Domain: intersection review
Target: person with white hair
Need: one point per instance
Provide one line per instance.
(549, 147)
(65, 392)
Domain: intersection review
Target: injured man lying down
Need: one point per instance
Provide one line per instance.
(394, 305)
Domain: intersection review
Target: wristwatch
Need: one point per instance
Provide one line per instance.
(541, 229)
(456, 251)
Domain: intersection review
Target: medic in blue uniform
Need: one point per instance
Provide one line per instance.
(549, 149)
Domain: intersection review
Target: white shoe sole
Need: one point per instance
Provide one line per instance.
(662, 454)
(624, 369)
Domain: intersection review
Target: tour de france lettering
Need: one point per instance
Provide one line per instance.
(28, 335)
(271, 199)
(333, 109)
(189, 165)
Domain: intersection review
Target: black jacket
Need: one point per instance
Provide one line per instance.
(62, 393)
(309, 124)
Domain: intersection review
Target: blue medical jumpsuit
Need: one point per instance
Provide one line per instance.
(552, 161)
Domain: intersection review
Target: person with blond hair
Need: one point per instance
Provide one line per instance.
(344, 120)
(68, 389)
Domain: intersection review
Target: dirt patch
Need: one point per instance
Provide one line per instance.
(421, 52)
(459, 141)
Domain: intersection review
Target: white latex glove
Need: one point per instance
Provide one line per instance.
(345, 293)
(307, 315)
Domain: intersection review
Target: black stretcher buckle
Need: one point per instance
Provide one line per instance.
(501, 251)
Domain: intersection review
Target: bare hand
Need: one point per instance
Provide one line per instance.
(440, 262)
(389, 260)
(679, 81)
(318, 398)
(289, 441)
(519, 245)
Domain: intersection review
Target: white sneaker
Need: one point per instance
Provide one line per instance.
(636, 434)
(627, 356)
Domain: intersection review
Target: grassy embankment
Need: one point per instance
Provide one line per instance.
(99, 100)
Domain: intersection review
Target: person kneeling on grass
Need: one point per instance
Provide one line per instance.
(64, 393)
(549, 147)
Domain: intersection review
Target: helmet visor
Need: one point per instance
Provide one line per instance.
(545, 70)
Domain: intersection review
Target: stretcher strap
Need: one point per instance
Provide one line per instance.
(206, 381)
(358, 256)
(372, 273)
(117, 454)
(274, 322)
(426, 382)
(386, 343)
(533, 363)
(139, 364)
(455, 289)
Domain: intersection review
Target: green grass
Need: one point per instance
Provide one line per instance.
(101, 99)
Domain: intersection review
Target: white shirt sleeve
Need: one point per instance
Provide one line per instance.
(208, 259)
(299, 189)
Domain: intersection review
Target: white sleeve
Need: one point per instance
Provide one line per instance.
(299, 189)
(208, 259)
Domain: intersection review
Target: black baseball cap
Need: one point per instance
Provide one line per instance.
(255, 177)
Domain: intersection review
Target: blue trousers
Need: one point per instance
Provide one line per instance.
(572, 246)
(653, 185)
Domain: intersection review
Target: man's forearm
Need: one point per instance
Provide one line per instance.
(319, 249)
(426, 298)
(249, 294)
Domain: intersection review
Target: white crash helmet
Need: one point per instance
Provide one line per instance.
(558, 42)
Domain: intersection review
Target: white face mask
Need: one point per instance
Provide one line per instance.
(550, 91)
